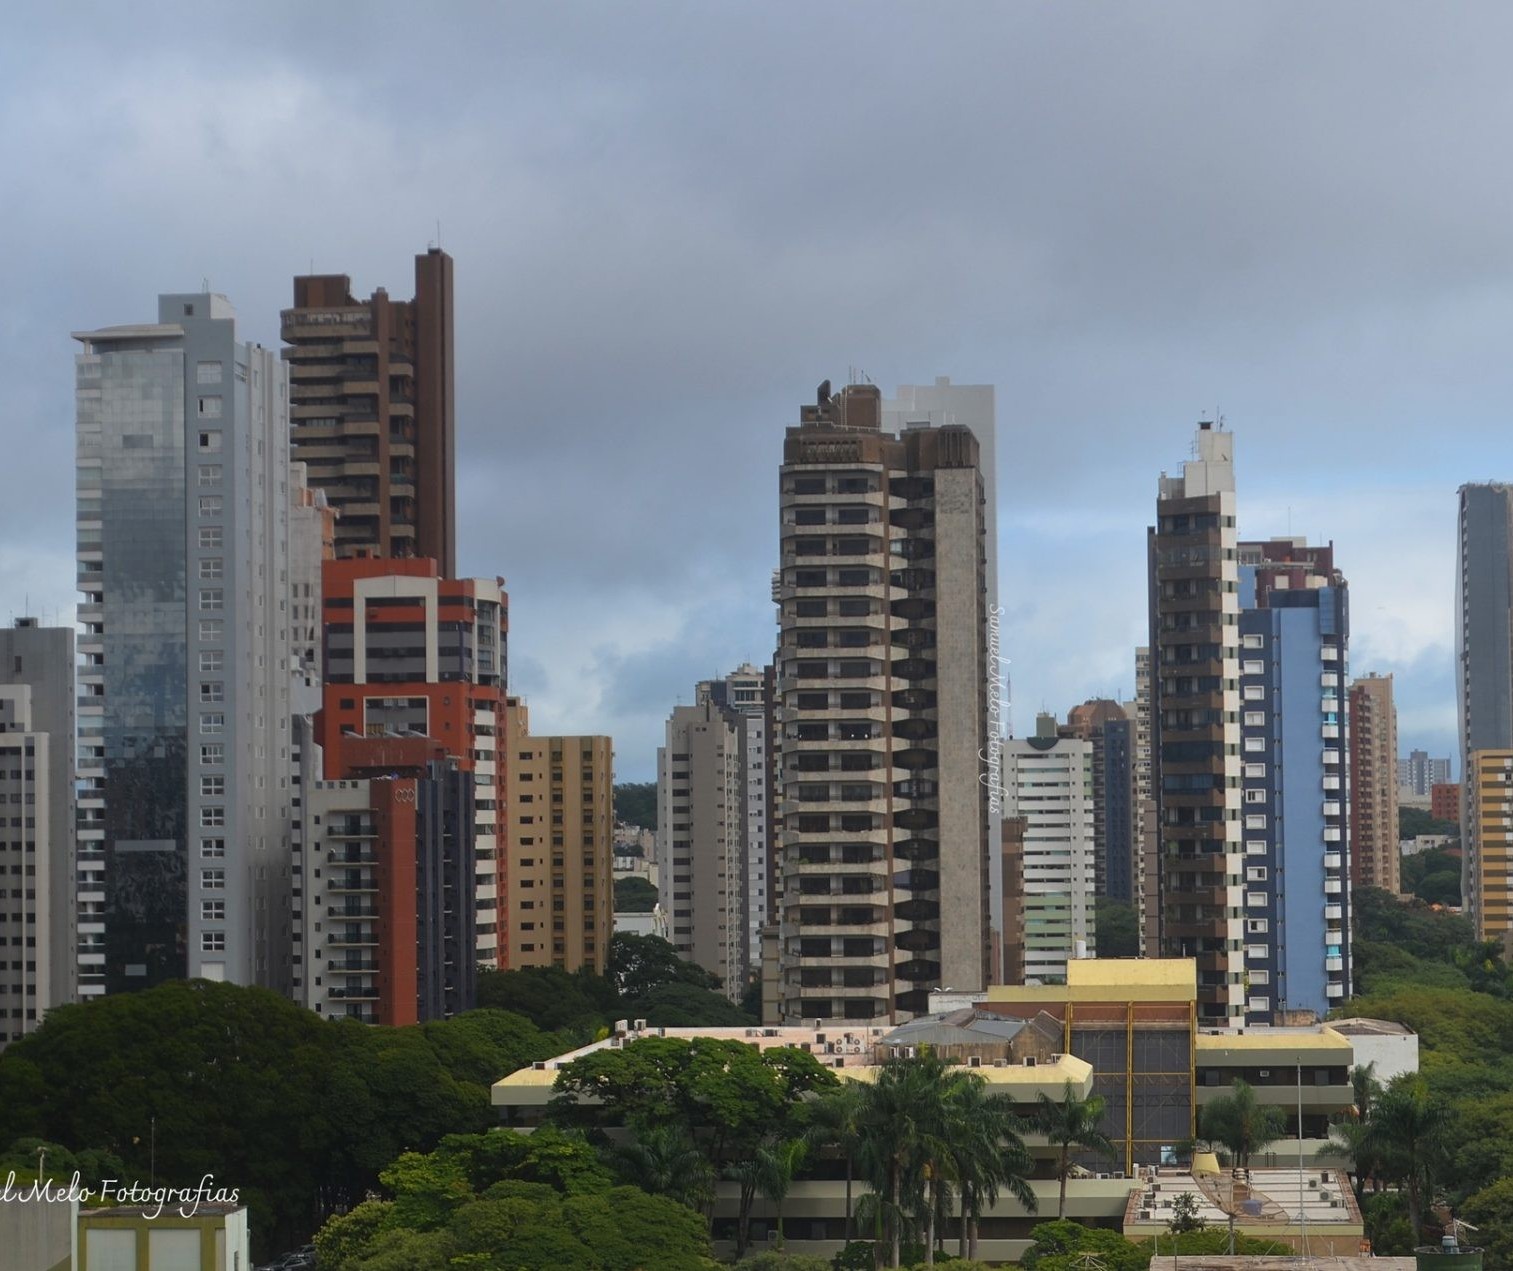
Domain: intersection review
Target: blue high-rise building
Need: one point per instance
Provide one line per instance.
(1294, 640)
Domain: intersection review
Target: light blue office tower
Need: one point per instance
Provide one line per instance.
(1294, 641)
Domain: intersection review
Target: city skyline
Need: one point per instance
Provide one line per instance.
(1106, 341)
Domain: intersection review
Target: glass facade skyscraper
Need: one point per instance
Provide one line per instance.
(183, 491)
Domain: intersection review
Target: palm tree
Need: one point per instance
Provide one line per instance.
(1347, 1137)
(1072, 1122)
(899, 1109)
(776, 1164)
(1239, 1124)
(665, 1160)
(987, 1153)
(1366, 1087)
(1407, 1138)
(835, 1120)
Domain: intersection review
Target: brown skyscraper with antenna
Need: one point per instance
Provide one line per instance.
(371, 408)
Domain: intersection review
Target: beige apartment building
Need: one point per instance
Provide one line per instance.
(1374, 858)
(560, 847)
(1485, 872)
(714, 810)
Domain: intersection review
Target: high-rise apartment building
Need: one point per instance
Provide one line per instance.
(1147, 872)
(1011, 847)
(1294, 660)
(1118, 852)
(971, 406)
(1195, 721)
(882, 677)
(371, 400)
(1112, 781)
(1484, 648)
(1048, 783)
(1374, 857)
(713, 796)
(561, 847)
(409, 653)
(1445, 800)
(384, 912)
(1418, 773)
(1487, 872)
(183, 483)
(37, 888)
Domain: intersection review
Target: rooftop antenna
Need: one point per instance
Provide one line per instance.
(205, 285)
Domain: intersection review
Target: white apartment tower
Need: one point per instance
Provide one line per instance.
(1048, 781)
(183, 486)
(37, 892)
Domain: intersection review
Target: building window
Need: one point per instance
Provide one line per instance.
(213, 848)
(207, 373)
(211, 723)
(212, 691)
(210, 474)
(212, 568)
(212, 911)
(212, 787)
(212, 660)
(212, 599)
(210, 441)
(213, 879)
(214, 753)
(210, 407)
(212, 942)
(1255, 796)
(212, 818)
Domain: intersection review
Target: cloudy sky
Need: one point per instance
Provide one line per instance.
(671, 221)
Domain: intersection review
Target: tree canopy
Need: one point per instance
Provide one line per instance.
(503, 1201)
(636, 803)
(298, 1113)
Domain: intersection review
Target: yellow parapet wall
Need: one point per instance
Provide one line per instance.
(1111, 980)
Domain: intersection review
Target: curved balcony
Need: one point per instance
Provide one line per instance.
(917, 849)
(918, 909)
(916, 759)
(916, 969)
(918, 940)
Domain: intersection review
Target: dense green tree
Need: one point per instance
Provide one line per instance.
(634, 895)
(506, 1200)
(1411, 822)
(1241, 1125)
(1071, 1122)
(1069, 1246)
(639, 965)
(686, 1006)
(1117, 927)
(636, 803)
(482, 1046)
(551, 998)
(1490, 1211)
(729, 1096)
